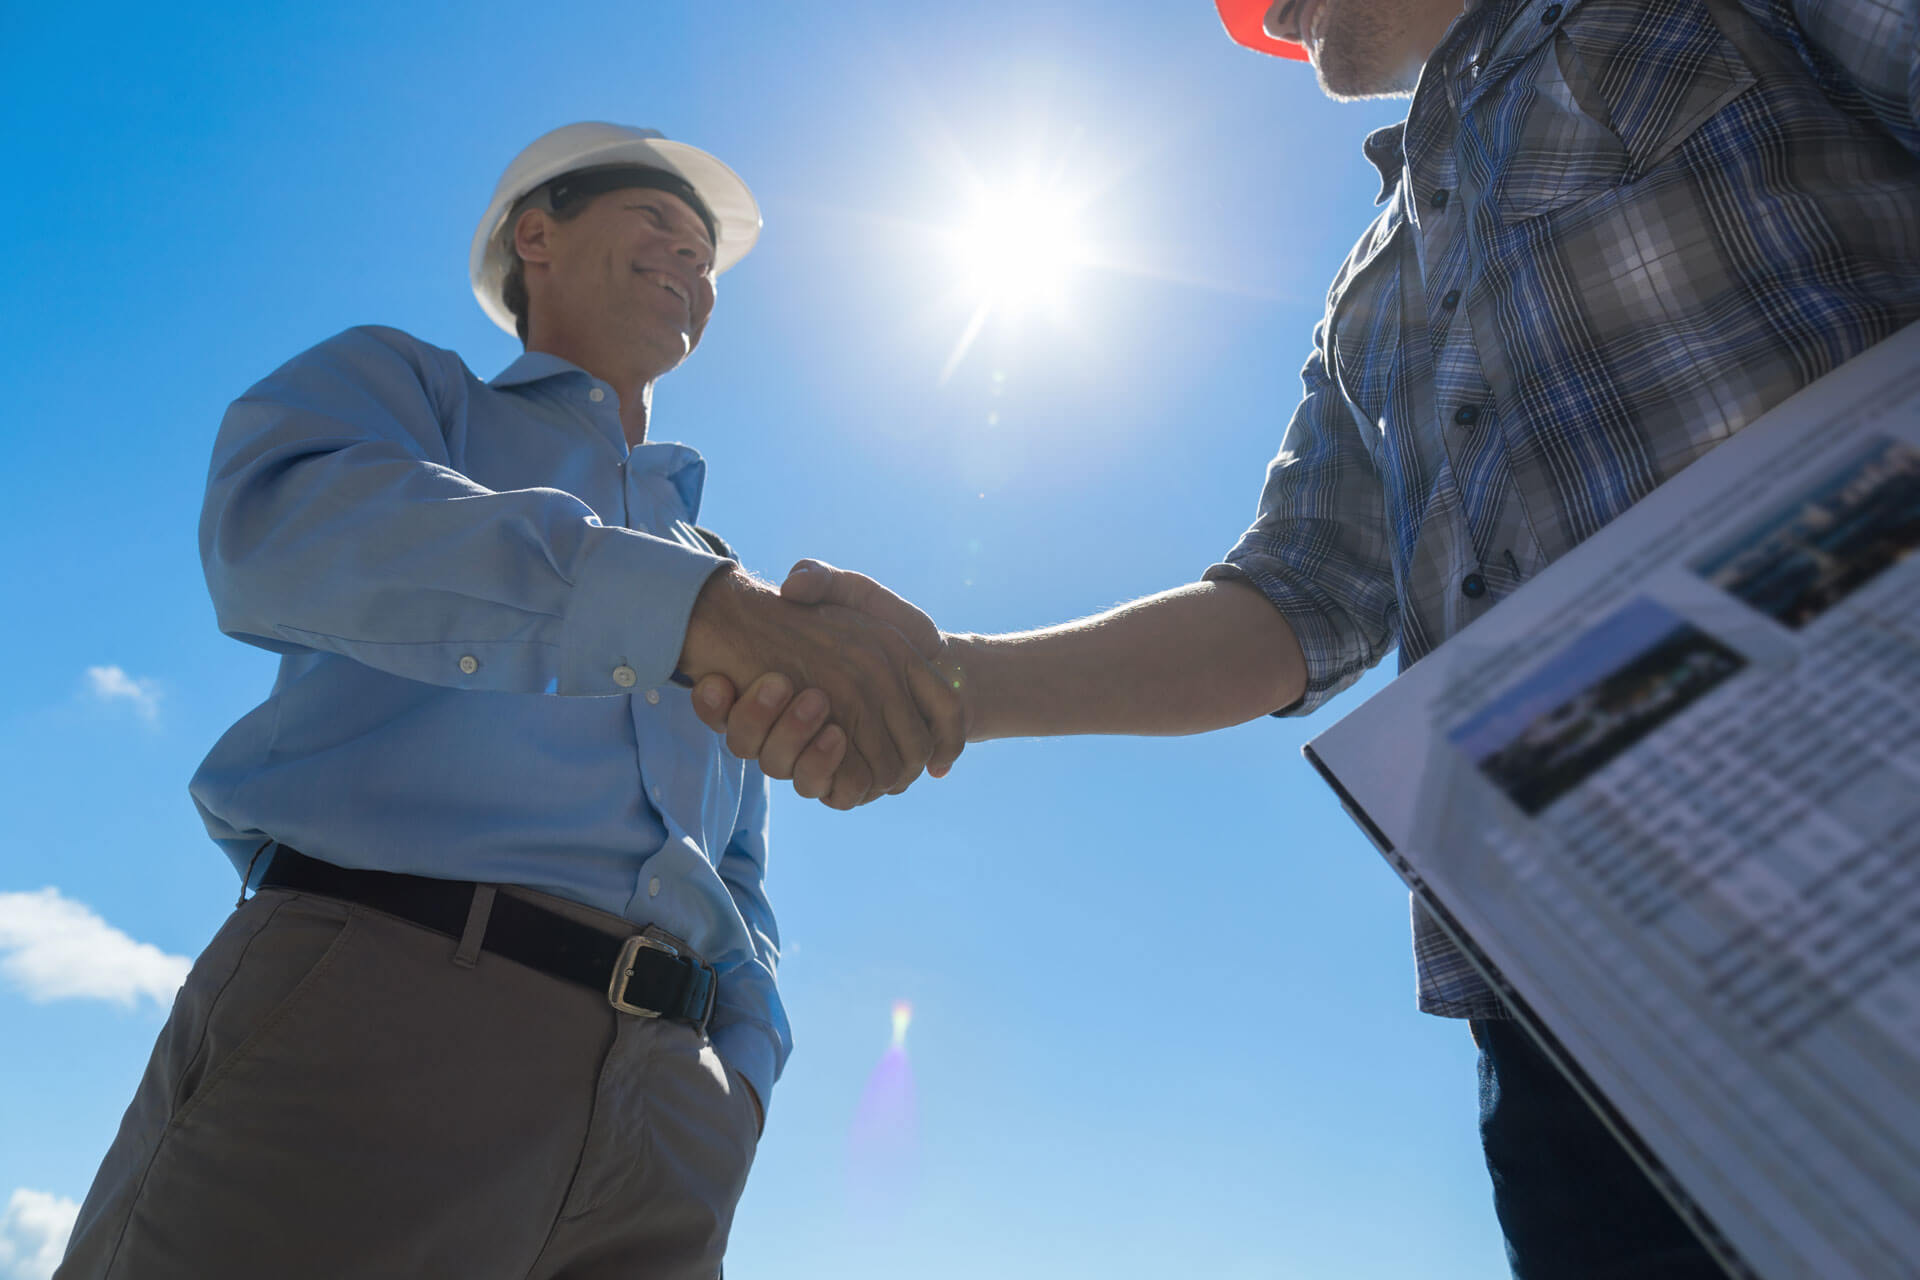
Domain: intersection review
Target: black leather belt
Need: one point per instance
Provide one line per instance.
(641, 975)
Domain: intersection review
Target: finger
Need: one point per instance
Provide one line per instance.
(813, 771)
(753, 716)
(791, 733)
(913, 737)
(852, 782)
(712, 699)
(862, 705)
(938, 700)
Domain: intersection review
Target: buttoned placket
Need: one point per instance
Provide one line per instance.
(1505, 536)
(1430, 340)
(602, 409)
(658, 488)
(654, 502)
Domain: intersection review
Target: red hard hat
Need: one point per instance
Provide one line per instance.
(1245, 21)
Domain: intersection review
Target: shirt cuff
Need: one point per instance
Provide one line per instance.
(752, 1049)
(1336, 656)
(627, 620)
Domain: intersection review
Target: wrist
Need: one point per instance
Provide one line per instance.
(715, 627)
(965, 661)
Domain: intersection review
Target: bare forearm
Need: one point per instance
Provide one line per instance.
(1185, 661)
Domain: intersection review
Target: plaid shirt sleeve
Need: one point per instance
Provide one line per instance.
(1866, 47)
(1318, 548)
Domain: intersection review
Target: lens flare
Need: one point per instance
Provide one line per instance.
(902, 1018)
(883, 1151)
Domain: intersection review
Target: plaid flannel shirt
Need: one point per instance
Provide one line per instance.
(1616, 232)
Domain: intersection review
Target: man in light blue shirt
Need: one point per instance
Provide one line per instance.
(504, 1001)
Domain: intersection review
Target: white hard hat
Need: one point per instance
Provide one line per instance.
(594, 145)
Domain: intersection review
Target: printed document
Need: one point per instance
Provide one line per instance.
(1669, 801)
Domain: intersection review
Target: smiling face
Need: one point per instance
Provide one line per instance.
(626, 282)
(1364, 48)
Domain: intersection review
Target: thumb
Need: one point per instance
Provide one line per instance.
(810, 582)
(816, 582)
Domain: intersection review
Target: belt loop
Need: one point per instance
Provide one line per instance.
(467, 954)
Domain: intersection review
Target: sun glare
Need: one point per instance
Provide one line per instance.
(1016, 251)
(1019, 246)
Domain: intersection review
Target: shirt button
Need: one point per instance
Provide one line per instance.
(1452, 299)
(653, 887)
(623, 675)
(596, 395)
(1473, 586)
(1467, 414)
(469, 664)
(653, 697)
(1439, 198)
(1550, 15)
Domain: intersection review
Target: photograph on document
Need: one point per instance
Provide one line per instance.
(1807, 554)
(1593, 700)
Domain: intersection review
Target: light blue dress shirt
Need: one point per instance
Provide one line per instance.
(479, 594)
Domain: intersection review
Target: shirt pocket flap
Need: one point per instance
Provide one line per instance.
(1617, 90)
(1656, 76)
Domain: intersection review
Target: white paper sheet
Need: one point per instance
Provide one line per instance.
(1670, 794)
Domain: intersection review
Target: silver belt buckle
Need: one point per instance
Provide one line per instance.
(623, 973)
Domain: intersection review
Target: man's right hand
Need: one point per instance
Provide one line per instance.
(898, 714)
(764, 721)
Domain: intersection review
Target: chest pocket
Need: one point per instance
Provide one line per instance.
(1598, 99)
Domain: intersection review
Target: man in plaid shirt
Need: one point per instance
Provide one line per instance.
(1615, 232)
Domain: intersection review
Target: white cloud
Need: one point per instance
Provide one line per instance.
(53, 948)
(112, 684)
(33, 1234)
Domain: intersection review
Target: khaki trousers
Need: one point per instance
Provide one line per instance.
(340, 1094)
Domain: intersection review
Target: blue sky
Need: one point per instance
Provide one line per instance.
(1164, 1016)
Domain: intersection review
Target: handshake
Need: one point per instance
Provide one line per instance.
(833, 681)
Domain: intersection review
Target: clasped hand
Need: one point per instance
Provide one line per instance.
(858, 726)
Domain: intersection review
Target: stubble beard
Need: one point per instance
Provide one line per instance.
(1363, 54)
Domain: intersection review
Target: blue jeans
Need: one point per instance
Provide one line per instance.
(1571, 1201)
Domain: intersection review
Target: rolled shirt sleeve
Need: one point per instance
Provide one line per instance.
(336, 521)
(1318, 548)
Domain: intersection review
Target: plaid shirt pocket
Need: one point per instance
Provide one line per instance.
(1601, 97)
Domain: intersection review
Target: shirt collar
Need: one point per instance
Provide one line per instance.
(1383, 149)
(680, 465)
(1386, 147)
(568, 386)
(532, 366)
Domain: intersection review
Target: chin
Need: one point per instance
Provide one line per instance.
(664, 351)
(1353, 66)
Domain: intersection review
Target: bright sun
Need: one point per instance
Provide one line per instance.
(1016, 251)
(1019, 246)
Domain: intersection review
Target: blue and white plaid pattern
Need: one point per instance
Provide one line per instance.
(1616, 232)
